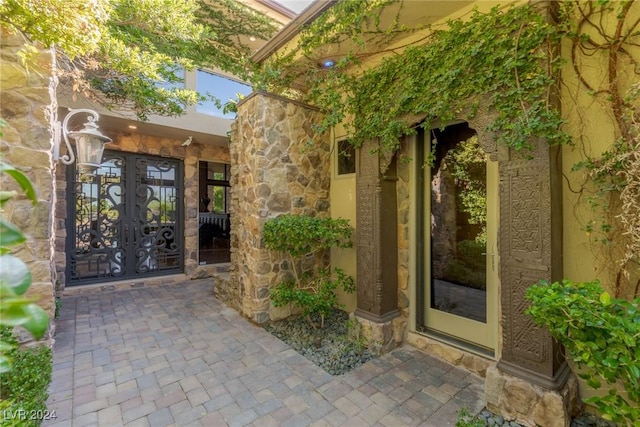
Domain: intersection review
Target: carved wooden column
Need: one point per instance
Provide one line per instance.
(530, 250)
(376, 238)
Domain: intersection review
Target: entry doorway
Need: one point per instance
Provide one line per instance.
(214, 222)
(457, 232)
(126, 221)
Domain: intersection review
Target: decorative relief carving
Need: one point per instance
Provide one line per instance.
(368, 163)
(526, 258)
(365, 214)
(526, 336)
(366, 277)
(524, 192)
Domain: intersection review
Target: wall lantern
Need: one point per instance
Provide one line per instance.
(89, 142)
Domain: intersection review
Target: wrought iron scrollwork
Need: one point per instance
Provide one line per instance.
(127, 220)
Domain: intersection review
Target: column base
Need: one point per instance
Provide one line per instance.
(379, 333)
(530, 404)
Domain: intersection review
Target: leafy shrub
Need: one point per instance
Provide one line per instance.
(15, 276)
(24, 388)
(302, 236)
(465, 419)
(318, 294)
(602, 335)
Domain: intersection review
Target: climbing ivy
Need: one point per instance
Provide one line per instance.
(505, 63)
(502, 61)
(610, 31)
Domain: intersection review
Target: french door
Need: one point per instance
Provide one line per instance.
(126, 221)
(457, 254)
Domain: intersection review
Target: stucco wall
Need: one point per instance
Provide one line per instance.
(27, 100)
(590, 122)
(343, 205)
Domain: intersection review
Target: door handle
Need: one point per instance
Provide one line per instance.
(493, 260)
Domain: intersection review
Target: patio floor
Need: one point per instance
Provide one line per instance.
(172, 355)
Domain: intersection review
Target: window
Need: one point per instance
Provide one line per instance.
(221, 88)
(179, 72)
(346, 157)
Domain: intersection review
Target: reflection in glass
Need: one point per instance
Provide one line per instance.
(458, 225)
(222, 88)
(214, 225)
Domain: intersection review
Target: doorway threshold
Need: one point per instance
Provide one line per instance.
(463, 356)
(456, 342)
(170, 279)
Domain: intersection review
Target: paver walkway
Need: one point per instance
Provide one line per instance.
(174, 355)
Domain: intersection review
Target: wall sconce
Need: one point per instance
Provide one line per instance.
(89, 142)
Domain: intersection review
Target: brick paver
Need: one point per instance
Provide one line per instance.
(173, 356)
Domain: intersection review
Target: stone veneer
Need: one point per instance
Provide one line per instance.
(153, 145)
(28, 105)
(273, 171)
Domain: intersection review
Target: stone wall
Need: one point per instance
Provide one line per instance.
(273, 172)
(28, 105)
(153, 145)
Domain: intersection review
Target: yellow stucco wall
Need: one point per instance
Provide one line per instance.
(589, 120)
(343, 205)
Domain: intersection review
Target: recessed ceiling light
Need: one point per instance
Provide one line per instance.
(328, 63)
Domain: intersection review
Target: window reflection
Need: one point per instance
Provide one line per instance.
(222, 88)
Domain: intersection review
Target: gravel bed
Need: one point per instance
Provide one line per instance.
(330, 348)
(487, 418)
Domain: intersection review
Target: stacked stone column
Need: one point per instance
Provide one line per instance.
(28, 106)
(274, 170)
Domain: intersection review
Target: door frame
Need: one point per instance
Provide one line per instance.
(456, 330)
(129, 197)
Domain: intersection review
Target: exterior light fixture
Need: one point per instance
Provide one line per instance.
(327, 63)
(89, 142)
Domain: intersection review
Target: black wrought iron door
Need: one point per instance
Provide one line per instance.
(127, 220)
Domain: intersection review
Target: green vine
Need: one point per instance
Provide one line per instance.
(610, 30)
(503, 61)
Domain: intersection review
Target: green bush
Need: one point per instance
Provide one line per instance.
(317, 294)
(302, 236)
(601, 334)
(15, 277)
(24, 388)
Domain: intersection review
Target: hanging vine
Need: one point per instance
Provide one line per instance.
(609, 30)
(490, 58)
(507, 62)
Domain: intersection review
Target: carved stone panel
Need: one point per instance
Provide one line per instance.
(376, 238)
(528, 250)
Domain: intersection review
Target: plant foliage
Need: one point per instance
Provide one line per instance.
(503, 61)
(303, 237)
(300, 235)
(129, 53)
(24, 389)
(602, 336)
(15, 277)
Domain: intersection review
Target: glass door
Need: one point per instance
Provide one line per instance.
(458, 211)
(126, 221)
